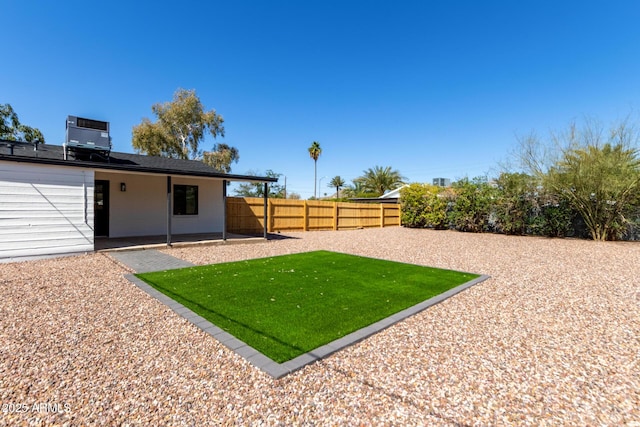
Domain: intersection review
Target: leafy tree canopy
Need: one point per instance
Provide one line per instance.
(256, 189)
(221, 157)
(12, 130)
(180, 128)
(377, 180)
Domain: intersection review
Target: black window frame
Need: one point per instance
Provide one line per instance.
(181, 205)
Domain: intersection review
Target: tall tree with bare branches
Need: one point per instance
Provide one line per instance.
(597, 172)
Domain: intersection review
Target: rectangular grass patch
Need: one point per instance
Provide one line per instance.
(285, 306)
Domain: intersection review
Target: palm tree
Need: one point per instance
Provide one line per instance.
(353, 190)
(337, 182)
(314, 153)
(377, 180)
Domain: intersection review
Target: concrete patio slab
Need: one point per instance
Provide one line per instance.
(115, 244)
(148, 260)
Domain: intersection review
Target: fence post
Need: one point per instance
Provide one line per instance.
(381, 215)
(266, 209)
(270, 215)
(335, 215)
(305, 216)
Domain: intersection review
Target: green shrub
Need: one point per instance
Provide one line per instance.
(422, 206)
(473, 205)
(515, 203)
(555, 219)
(523, 206)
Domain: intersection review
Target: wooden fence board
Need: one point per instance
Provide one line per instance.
(245, 215)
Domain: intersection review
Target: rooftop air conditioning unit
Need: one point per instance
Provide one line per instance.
(87, 134)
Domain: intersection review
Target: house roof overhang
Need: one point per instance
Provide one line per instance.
(15, 151)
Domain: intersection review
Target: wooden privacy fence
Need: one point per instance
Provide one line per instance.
(245, 215)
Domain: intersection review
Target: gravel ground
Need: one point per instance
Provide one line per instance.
(553, 338)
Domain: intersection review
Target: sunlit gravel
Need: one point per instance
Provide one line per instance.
(553, 338)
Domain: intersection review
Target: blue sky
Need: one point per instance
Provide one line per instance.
(433, 89)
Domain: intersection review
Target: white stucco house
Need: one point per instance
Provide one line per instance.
(52, 202)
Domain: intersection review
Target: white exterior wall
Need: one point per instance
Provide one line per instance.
(141, 210)
(210, 208)
(45, 210)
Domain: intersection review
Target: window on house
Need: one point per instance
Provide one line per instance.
(185, 200)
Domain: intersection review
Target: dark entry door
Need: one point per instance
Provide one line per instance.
(101, 208)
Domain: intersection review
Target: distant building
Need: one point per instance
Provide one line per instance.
(442, 182)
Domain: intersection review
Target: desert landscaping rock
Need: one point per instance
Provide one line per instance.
(553, 338)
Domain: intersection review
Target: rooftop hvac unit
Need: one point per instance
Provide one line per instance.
(442, 182)
(87, 134)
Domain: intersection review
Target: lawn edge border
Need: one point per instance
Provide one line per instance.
(279, 370)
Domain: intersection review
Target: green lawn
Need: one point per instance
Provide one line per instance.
(287, 305)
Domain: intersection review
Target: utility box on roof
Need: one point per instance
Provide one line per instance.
(87, 134)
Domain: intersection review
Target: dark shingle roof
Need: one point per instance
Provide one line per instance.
(54, 155)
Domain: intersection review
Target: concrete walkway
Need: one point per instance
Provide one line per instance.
(148, 260)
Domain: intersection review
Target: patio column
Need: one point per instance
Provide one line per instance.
(169, 210)
(224, 210)
(266, 202)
